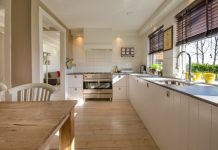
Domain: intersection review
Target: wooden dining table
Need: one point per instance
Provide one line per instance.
(32, 125)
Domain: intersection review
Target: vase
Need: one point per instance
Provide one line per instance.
(209, 78)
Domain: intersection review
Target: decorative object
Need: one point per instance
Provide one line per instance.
(46, 61)
(168, 38)
(209, 78)
(127, 51)
(69, 64)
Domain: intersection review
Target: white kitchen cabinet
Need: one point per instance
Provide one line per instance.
(175, 121)
(75, 81)
(193, 124)
(75, 87)
(119, 80)
(183, 122)
(214, 130)
(204, 136)
(75, 93)
(120, 87)
(119, 93)
(175, 124)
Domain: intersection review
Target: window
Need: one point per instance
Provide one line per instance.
(156, 41)
(197, 32)
(197, 21)
(156, 46)
(203, 51)
(157, 58)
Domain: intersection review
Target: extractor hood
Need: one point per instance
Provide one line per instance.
(97, 39)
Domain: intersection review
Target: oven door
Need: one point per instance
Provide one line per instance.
(97, 84)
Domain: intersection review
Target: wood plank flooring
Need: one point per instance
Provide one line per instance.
(102, 125)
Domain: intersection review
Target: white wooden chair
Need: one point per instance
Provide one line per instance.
(3, 90)
(32, 92)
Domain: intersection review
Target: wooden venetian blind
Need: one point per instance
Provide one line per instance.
(156, 40)
(198, 20)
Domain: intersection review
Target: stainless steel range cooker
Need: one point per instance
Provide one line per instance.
(97, 86)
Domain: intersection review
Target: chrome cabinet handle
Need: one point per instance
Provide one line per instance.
(75, 76)
(75, 89)
(119, 76)
(147, 85)
(168, 93)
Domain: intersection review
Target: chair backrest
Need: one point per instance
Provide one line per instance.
(3, 90)
(32, 92)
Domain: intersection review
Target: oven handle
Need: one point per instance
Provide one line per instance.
(97, 80)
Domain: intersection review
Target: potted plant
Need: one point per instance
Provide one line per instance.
(216, 70)
(155, 68)
(196, 72)
(209, 77)
(69, 64)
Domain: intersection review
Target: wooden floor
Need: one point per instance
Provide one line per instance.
(102, 125)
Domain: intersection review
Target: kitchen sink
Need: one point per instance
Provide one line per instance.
(173, 82)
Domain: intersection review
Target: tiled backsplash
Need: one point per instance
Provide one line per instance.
(105, 60)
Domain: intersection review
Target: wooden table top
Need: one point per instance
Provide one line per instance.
(30, 125)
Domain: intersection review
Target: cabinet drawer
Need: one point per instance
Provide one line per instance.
(120, 93)
(119, 80)
(75, 93)
(75, 81)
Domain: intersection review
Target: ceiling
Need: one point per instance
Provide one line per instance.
(125, 15)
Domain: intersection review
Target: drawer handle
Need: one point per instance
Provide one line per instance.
(119, 76)
(168, 93)
(75, 89)
(147, 85)
(75, 76)
(119, 89)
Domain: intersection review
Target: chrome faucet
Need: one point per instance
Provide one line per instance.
(189, 64)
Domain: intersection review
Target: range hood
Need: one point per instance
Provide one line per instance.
(98, 39)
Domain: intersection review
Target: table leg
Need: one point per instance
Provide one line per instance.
(66, 134)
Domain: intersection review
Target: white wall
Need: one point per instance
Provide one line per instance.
(169, 56)
(104, 60)
(1, 57)
(51, 44)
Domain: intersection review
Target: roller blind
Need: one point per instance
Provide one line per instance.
(198, 20)
(156, 40)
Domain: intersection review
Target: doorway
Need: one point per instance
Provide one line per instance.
(52, 54)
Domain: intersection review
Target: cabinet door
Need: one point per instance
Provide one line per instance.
(75, 81)
(75, 94)
(119, 80)
(214, 136)
(183, 123)
(119, 93)
(193, 124)
(175, 121)
(204, 126)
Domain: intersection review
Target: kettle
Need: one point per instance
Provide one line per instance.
(142, 68)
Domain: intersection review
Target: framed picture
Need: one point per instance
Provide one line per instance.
(168, 38)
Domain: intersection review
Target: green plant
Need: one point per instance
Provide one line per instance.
(204, 68)
(196, 68)
(216, 69)
(155, 67)
(211, 68)
(69, 63)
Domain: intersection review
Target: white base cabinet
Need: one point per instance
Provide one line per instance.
(175, 121)
(75, 87)
(120, 87)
